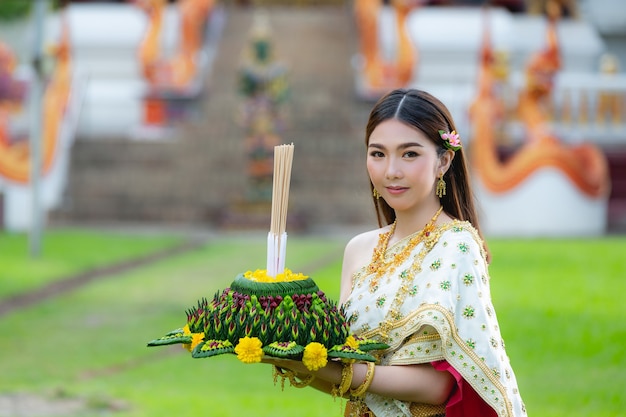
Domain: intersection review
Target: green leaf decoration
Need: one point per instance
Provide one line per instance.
(243, 285)
(212, 348)
(366, 347)
(370, 344)
(283, 349)
(171, 338)
(346, 352)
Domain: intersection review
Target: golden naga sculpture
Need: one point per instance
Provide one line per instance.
(585, 165)
(15, 164)
(380, 73)
(178, 71)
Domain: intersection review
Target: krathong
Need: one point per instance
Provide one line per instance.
(273, 311)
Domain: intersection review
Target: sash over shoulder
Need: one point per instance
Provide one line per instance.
(436, 305)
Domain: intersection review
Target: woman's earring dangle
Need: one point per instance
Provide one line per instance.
(441, 186)
(376, 194)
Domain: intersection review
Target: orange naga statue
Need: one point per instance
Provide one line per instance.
(585, 165)
(533, 104)
(381, 73)
(12, 91)
(177, 72)
(15, 157)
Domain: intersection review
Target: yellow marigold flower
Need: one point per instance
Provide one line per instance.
(351, 341)
(315, 356)
(260, 275)
(196, 338)
(249, 350)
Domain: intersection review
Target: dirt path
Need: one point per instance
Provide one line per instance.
(56, 404)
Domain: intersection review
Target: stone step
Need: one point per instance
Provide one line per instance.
(200, 173)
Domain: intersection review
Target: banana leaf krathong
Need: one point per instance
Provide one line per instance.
(285, 317)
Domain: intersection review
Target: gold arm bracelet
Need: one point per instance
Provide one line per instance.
(279, 372)
(369, 376)
(300, 384)
(291, 375)
(346, 380)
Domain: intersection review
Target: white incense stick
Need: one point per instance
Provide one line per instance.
(277, 237)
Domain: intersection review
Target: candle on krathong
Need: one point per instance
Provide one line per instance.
(277, 236)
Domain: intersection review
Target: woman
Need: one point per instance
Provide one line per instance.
(420, 282)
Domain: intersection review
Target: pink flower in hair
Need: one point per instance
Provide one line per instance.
(451, 140)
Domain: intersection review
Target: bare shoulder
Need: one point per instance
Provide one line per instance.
(363, 243)
(357, 254)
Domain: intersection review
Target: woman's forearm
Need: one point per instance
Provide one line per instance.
(413, 383)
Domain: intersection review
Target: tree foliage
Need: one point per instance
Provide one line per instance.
(14, 9)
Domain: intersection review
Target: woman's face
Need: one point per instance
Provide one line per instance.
(403, 165)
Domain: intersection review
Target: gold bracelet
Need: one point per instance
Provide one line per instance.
(369, 376)
(279, 372)
(300, 384)
(346, 380)
(291, 375)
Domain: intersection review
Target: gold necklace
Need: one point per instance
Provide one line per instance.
(379, 266)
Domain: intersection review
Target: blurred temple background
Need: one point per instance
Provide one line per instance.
(167, 112)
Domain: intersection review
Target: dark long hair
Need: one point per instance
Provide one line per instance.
(428, 114)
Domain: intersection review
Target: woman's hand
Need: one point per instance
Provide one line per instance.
(290, 364)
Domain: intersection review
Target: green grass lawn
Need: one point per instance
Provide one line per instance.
(561, 309)
(558, 302)
(66, 252)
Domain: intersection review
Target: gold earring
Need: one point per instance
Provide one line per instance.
(376, 194)
(441, 186)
